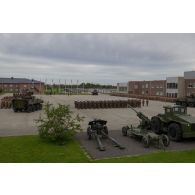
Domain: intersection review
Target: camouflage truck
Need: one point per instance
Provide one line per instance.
(186, 101)
(175, 122)
(26, 102)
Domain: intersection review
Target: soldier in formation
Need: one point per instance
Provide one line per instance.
(143, 102)
(147, 102)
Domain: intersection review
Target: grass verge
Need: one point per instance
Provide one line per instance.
(31, 149)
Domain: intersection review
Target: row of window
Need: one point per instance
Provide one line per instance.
(5, 86)
(191, 85)
(146, 86)
(172, 85)
(122, 88)
(173, 95)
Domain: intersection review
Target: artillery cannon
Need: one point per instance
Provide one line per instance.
(143, 131)
(98, 130)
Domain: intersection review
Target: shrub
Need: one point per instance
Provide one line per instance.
(59, 123)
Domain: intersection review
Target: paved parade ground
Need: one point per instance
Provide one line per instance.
(12, 123)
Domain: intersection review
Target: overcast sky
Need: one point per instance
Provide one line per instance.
(98, 58)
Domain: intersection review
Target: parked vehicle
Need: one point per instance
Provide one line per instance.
(26, 102)
(175, 122)
(186, 101)
(95, 92)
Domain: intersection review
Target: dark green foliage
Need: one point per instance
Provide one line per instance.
(59, 124)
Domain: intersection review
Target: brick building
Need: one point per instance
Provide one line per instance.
(15, 85)
(150, 88)
(172, 87)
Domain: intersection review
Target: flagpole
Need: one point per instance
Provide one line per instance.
(52, 88)
(77, 86)
(46, 85)
(71, 86)
(59, 87)
(65, 86)
(40, 86)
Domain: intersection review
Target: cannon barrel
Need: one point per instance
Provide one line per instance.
(145, 120)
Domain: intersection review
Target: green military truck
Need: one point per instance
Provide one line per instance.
(26, 103)
(175, 122)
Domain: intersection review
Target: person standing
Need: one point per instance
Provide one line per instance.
(147, 102)
(143, 102)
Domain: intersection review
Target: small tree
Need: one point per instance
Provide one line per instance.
(59, 124)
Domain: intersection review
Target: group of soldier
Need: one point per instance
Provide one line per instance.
(143, 102)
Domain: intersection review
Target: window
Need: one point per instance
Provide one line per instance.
(25, 86)
(172, 85)
(135, 86)
(146, 85)
(10, 85)
(190, 85)
(161, 93)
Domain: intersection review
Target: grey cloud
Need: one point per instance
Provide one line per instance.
(97, 57)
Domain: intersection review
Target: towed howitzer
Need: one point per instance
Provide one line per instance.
(145, 122)
(143, 131)
(97, 129)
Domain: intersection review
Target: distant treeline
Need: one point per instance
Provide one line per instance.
(85, 85)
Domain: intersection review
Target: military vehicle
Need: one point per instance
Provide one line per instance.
(186, 101)
(97, 129)
(26, 102)
(175, 122)
(95, 92)
(144, 132)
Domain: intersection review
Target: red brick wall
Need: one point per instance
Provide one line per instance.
(149, 88)
(38, 88)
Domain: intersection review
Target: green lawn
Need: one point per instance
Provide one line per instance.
(32, 149)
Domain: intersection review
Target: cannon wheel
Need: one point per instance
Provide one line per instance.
(105, 130)
(165, 140)
(124, 130)
(175, 132)
(156, 125)
(146, 141)
(89, 133)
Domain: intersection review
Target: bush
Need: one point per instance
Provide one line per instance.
(59, 124)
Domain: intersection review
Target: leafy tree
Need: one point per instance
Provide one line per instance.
(59, 124)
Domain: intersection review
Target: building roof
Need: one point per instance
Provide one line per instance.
(13, 80)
